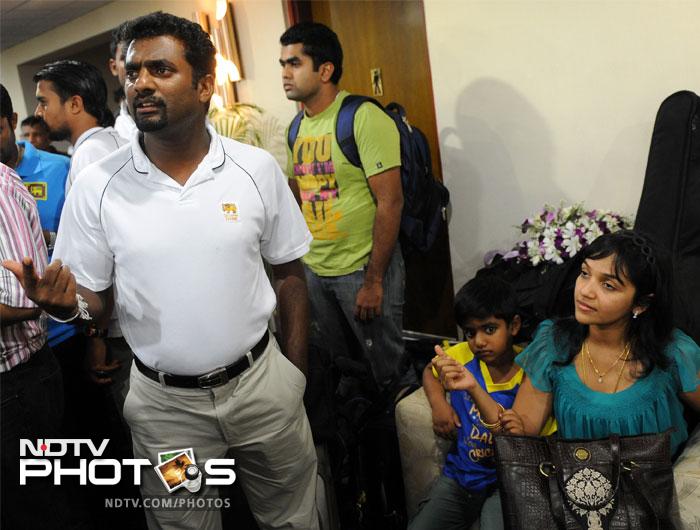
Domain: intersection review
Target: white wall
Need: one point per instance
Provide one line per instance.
(259, 24)
(544, 101)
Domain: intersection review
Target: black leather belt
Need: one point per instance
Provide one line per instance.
(217, 377)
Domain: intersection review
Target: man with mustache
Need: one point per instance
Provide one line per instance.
(180, 222)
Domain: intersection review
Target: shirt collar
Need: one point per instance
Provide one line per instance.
(214, 158)
(87, 134)
(30, 159)
(330, 110)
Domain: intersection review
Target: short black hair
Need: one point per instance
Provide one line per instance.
(70, 78)
(5, 104)
(320, 43)
(486, 296)
(33, 121)
(117, 39)
(200, 53)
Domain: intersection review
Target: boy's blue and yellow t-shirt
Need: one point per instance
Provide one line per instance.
(471, 460)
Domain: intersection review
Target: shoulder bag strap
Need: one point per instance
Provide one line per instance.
(293, 131)
(345, 126)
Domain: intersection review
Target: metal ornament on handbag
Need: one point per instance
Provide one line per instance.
(586, 489)
(611, 484)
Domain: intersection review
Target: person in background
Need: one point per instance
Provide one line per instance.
(35, 131)
(30, 377)
(355, 269)
(124, 123)
(72, 100)
(44, 174)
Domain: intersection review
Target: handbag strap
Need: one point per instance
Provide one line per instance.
(639, 485)
(556, 501)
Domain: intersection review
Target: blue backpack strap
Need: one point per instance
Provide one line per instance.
(345, 126)
(293, 131)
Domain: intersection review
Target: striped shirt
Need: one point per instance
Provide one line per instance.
(20, 236)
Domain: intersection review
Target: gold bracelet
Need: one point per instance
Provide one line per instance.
(493, 426)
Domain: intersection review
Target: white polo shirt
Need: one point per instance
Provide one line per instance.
(191, 290)
(91, 146)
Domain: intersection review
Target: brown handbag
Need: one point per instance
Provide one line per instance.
(548, 483)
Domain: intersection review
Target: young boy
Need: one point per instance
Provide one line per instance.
(485, 374)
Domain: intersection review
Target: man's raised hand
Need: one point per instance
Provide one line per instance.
(55, 292)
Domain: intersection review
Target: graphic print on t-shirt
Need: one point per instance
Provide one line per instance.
(318, 187)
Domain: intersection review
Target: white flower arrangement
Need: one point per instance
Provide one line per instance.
(554, 235)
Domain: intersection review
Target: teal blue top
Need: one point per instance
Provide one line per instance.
(650, 405)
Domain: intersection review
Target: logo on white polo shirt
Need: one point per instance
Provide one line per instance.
(230, 210)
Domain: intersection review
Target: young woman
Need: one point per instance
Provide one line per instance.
(617, 366)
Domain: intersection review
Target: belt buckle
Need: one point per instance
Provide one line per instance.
(214, 378)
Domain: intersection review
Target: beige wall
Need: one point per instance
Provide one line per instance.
(259, 24)
(544, 101)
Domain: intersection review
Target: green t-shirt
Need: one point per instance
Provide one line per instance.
(336, 200)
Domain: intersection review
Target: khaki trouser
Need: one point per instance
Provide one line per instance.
(259, 416)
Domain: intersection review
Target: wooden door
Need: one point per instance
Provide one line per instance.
(390, 35)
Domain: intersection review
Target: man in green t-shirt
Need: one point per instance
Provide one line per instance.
(354, 270)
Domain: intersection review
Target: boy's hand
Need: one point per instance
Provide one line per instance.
(452, 374)
(512, 423)
(445, 420)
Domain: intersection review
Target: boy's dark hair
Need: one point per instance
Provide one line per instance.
(5, 104)
(320, 43)
(33, 121)
(199, 50)
(483, 297)
(117, 39)
(648, 268)
(70, 78)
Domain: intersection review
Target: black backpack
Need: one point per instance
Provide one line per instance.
(425, 199)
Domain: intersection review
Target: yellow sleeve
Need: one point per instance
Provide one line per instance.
(459, 352)
(550, 427)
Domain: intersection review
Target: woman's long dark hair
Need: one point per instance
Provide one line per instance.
(648, 268)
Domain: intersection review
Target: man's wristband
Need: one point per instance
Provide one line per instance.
(81, 311)
(52, 240)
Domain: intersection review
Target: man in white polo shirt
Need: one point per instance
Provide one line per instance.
(180, 221)
(72, 100)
